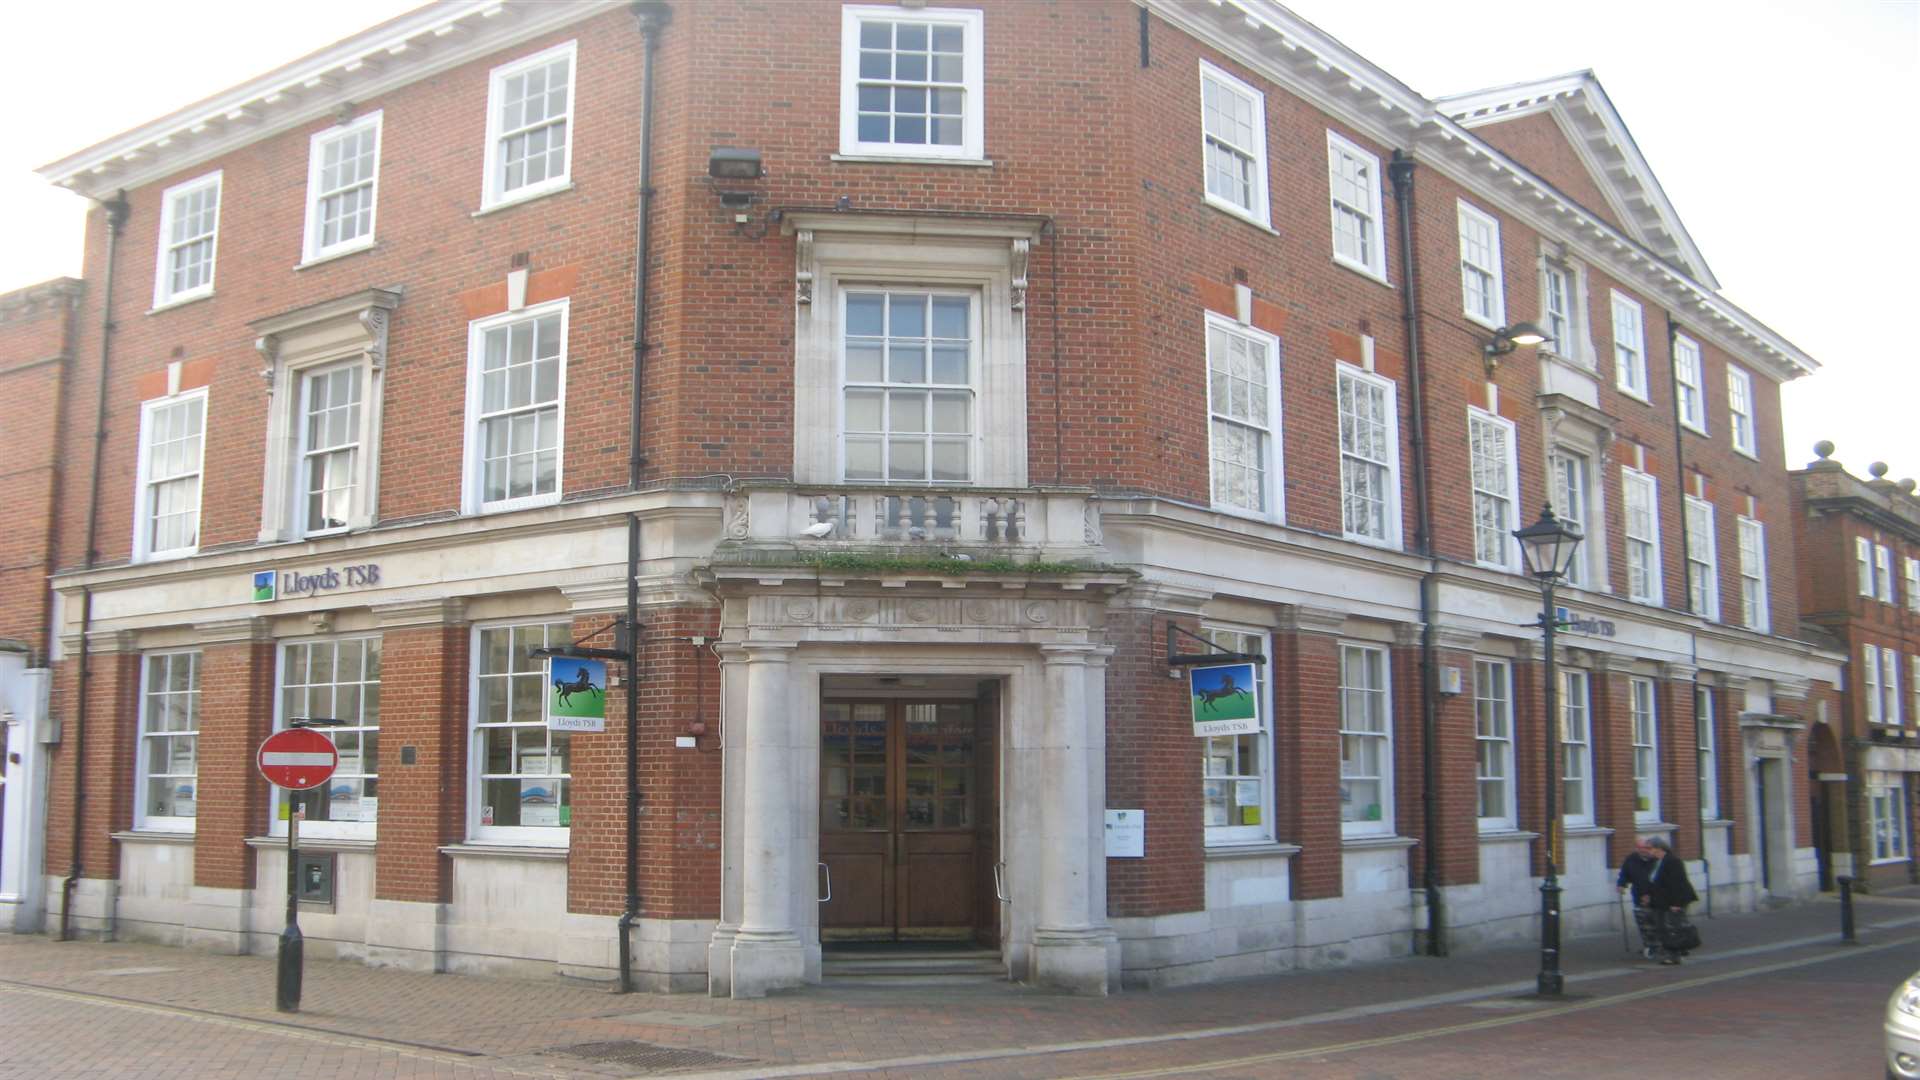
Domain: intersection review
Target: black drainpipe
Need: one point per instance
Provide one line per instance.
(1680, 471)
(1401, 169)
(116, 209)
(653, 17)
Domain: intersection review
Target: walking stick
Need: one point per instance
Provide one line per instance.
(1625, 945)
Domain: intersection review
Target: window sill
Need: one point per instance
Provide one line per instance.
(164, 556)
(1625, 392)
(1247, 515)
(1697, 430)
(179, 302)
(521, 199)
(910, 159)
(330, 256)
(1382, 842)
(153, 836)
(312, 843)
(1653, 826)
(482, 849)
(1717, 823)
(1363, 271)
(1506, 834)
(1241, 215)
(508, 506)
(1481, 320)
(1252, 851)
(1897, 860)
(1585, 829)
(1391, 543)
(1752, 455)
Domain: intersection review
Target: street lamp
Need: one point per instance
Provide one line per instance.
(1547, 546)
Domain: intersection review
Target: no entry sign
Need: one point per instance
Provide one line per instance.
(298, 758)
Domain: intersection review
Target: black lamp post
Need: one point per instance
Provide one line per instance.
(1547, 546)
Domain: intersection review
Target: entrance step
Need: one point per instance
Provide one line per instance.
(909, 966)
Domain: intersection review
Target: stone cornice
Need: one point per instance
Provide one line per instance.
(359, 69)
(407, 613)
(232, 631)
(1300, 619)
(1296, 55)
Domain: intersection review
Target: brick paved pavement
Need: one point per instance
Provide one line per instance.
(217, 1011)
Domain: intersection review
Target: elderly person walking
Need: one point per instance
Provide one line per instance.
(1634, 874)
(1668, 894)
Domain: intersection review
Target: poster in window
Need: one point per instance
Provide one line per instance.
(183, 804)
(343, 795)
(577, 694)
(1224, 700)
(539, 793)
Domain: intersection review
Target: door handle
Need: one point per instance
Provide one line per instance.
(1000, 883)
(828, 872)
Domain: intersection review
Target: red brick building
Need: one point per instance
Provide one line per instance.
(984, 358)
(1859, 545)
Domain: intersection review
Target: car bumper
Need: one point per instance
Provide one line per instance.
(1903, 1047)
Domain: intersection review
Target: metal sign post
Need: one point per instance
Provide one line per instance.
(295, 759)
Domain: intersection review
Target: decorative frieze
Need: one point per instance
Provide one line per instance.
(920, 612)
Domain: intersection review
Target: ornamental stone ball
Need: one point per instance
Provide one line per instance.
(1878, 470)
(1823, 449)
(1906, 486)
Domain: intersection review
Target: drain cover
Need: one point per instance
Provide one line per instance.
(646, 1056)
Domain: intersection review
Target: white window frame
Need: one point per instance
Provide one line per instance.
(1629, 346)
(1890, 686)
(1578, 750)
(1558, 323)
(1493, 738)
(1887, 817)
(885, 386)
(163, 293)
(973, 83)
(1707, 753)
(473, 492)
(1383, 696)
(1260, 212)
(1374, 261)
(358, 470)
(312, 250)
(1703, 551)
(910, 253)
(1913, 584)
(1870, 681)
(279, 804)
(1882, 574)
(1272, 495)
(492, 192)
(1238, 637)
(143, 551)
(1755, 607)
(1863, 561)
(1631, 480)
(1496, 315)
(1510, 499)
(1353, 464)
(1574, 501)
(1913, 682)
(1645, 736)
(477, 830)
(1689, 375)
(143, 774)
(1740, 411)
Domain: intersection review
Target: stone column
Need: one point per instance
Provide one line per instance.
(733, 726)
(767, 953)
(1073, 948)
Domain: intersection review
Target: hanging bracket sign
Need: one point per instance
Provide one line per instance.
(1225, 699)
(576, 694)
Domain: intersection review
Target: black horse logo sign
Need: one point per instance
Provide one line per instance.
(1209, 700)
(581, 683)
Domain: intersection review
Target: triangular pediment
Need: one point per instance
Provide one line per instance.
(1567, 132)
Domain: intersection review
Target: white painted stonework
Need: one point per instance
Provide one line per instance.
(23, 709)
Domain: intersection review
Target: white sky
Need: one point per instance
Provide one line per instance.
(1783, 132)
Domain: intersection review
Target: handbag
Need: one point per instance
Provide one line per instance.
(1679, 934)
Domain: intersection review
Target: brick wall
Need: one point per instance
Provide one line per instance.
(36, 359)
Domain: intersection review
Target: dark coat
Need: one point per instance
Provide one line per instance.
(1668, 887)
(1634, 873)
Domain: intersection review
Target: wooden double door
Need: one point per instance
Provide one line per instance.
(902, 834)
